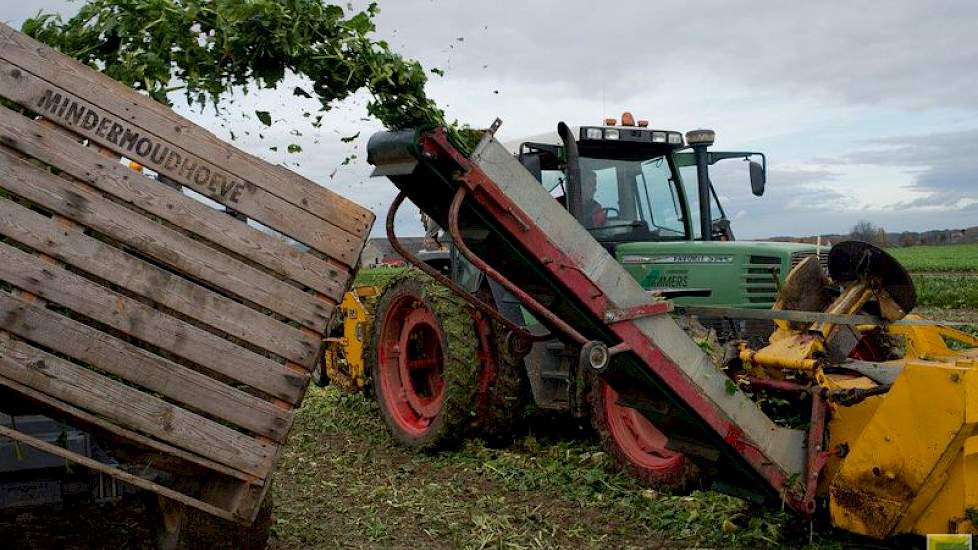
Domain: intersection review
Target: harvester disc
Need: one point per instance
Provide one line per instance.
(635, 443)
(425, 362)
(856, 260)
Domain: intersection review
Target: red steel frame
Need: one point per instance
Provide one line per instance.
(447, 281)
(488, 359)
(816, 457)
(481, 265)
(480, 188)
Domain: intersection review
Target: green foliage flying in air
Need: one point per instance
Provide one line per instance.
(209, 47)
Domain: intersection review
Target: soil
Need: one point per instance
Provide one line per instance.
(120, 525)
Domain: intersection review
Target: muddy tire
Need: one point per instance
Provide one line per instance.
(508, 395)
(319, 378)
(424, 362)
(636, 445)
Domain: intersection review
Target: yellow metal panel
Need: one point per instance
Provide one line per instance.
(947, 513)
(899, 461)
(844, 428)
(928, 341)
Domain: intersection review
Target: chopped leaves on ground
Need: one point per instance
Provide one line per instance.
(345, 483)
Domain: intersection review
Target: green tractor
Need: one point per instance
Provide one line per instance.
(440, 370)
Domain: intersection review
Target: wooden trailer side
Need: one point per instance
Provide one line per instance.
(181, 333)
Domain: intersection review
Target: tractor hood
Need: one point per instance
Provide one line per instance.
(738, 273)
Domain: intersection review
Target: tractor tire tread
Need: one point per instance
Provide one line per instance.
(461, 360)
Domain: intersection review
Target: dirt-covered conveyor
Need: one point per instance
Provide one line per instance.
(506, 218)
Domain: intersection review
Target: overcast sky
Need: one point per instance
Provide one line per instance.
(866, 110)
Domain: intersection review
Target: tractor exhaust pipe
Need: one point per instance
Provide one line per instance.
(573, 195)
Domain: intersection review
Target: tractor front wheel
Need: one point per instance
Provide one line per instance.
(635, 443)
(424, 363)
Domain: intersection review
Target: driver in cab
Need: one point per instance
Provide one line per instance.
(593, 211)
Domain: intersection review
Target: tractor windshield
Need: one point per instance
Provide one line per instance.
(627, 200)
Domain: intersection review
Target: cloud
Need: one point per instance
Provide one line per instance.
(866, 110)
(943, 166)
(903, 53)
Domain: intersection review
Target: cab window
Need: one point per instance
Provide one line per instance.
(688, 175)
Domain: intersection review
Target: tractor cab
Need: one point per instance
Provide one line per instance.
(623, 182)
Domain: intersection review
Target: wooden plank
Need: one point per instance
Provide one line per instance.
(55, 147)
(195, 171)
(116, 473)
(92, 300)
(124, 102)
(90, 421)
(163, 287)
(249, 505)
(132, 408)
(80, 203)
(105, 352)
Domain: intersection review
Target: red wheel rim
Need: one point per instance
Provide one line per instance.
(410, 361)
(641, 442)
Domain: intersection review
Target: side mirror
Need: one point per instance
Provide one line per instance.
(757, 178)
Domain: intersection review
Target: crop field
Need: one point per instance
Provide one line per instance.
(947, 290)
(945, 276)
(956, 258)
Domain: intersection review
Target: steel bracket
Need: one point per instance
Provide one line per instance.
(636, 312)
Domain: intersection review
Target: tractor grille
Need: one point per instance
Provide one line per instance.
(798, 257)
(760, 289)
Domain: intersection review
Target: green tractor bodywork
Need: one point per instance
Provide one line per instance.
(738, 273)
(630, 193)
(672, 235)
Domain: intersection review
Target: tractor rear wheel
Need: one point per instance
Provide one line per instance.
(424, 362)
(635, 443)
(508, 395)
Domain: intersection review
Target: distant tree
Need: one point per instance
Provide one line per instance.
(864, 230)
(907, 239)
